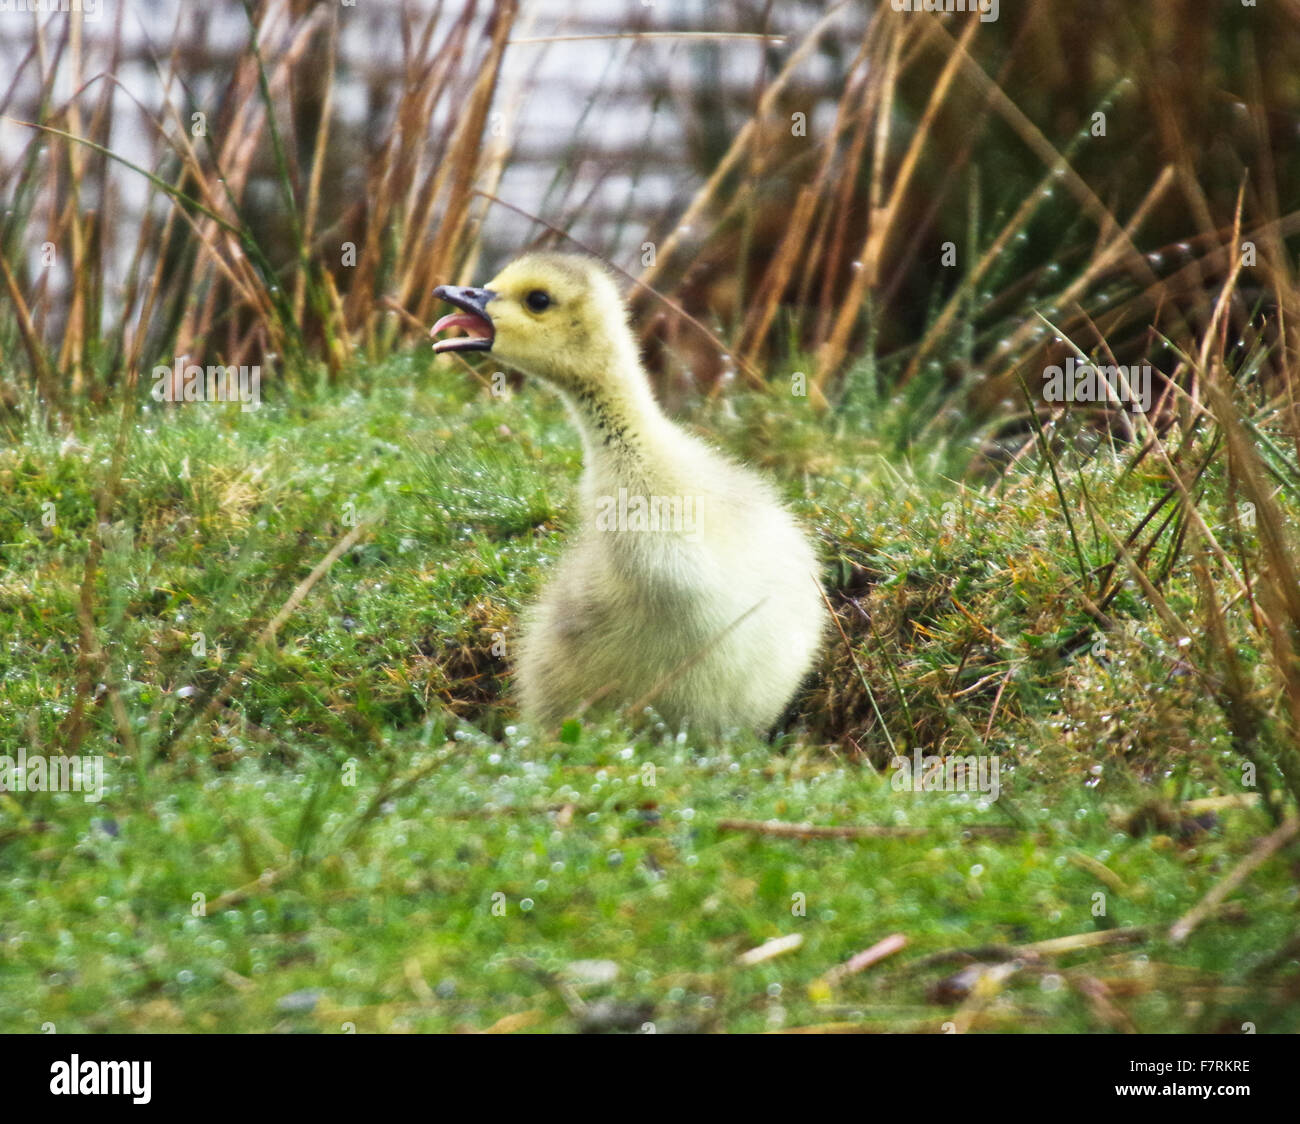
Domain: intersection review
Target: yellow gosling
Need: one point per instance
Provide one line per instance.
(688, 587)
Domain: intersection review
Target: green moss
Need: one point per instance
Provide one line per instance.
(426, 866)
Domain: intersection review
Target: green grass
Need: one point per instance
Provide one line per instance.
(362, 837)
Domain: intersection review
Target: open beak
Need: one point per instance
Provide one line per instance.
(472, 317)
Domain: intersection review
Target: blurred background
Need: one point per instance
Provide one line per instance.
(286, 181)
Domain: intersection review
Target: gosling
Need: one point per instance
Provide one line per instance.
(689, 587)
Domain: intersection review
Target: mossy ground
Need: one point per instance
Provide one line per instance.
(361, 837)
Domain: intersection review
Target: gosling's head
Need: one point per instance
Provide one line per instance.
(556, 316)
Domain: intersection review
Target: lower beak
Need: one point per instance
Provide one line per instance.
(472, 317)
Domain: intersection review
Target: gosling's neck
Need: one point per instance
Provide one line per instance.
(625, 435)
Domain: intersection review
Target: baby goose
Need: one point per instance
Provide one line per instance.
(689, 587)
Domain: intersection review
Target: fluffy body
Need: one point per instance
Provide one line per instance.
(712, 620)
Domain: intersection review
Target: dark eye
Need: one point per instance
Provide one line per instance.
(538, 300)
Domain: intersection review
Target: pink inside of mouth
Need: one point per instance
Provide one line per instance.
(475, 326)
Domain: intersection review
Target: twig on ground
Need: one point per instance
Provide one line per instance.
(1266, 849)
(861, 961)
(847, 831)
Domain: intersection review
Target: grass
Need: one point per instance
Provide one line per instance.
(361, 837)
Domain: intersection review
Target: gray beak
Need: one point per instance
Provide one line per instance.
(472, 317)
